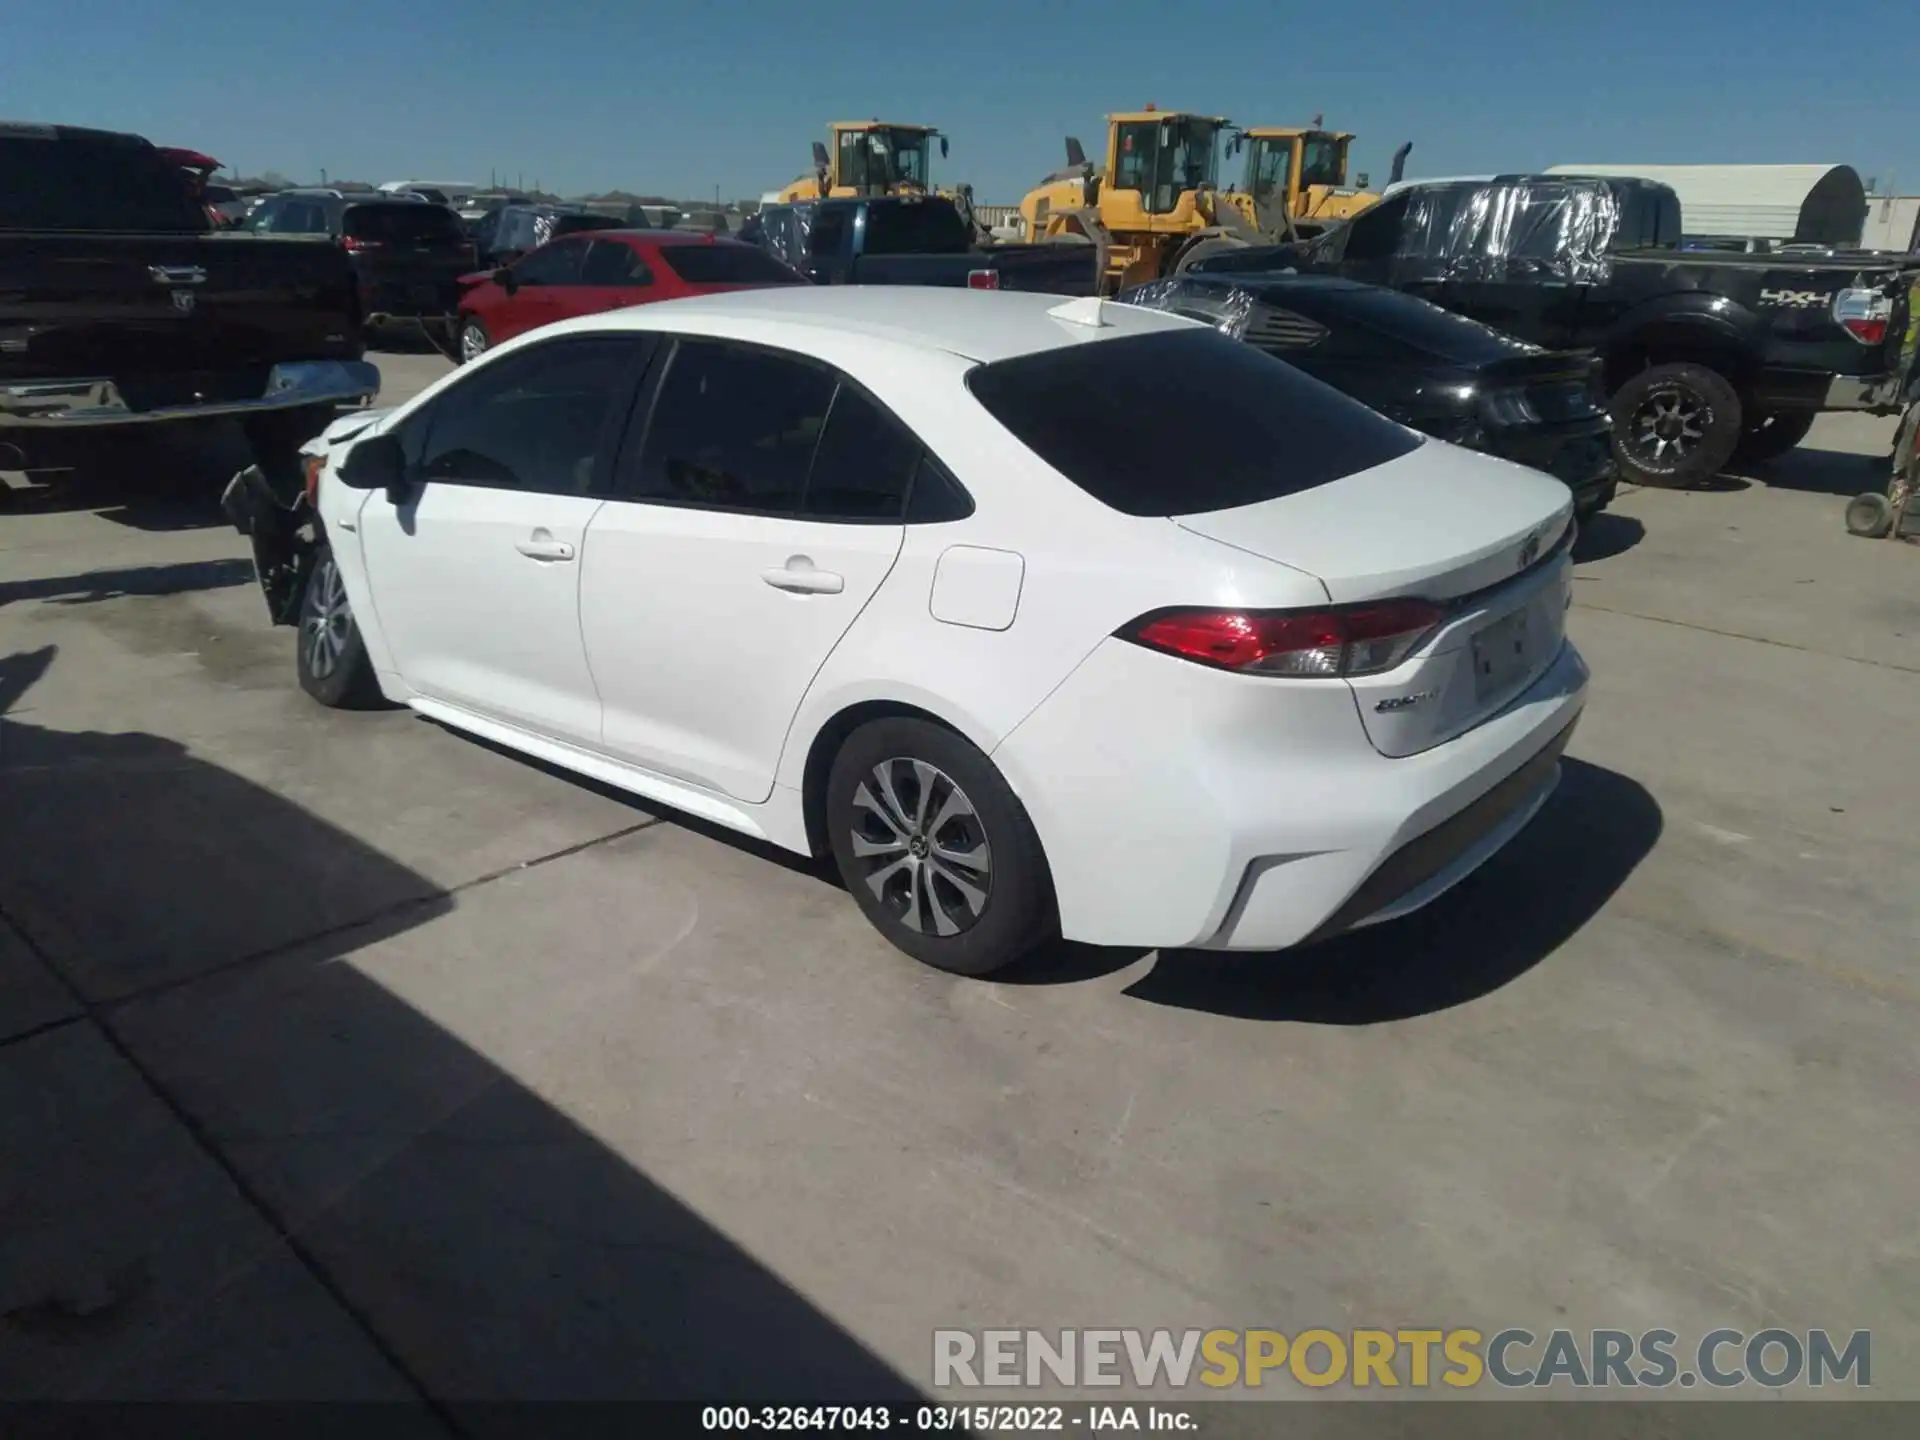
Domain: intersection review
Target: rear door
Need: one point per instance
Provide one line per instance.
(476, 577)
(751, 520)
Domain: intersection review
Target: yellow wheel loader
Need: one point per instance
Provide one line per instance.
(874, 157)
(1300, 175)
(1154, 208)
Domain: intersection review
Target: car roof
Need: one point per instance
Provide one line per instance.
(982, 325)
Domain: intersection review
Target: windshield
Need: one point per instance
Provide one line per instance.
(1268, 168)
(878, 159)
(1323, 161)
(1188, 153)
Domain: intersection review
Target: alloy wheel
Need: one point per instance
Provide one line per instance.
(924, 847)
(1669, 424)
(473, 341)
(326, 623)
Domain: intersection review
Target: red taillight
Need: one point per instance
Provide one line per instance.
(1863, 314)
(983, 279)
(315, 464)
(1344, 640)
(354, 242)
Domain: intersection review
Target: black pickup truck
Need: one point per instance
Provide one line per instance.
(1706, 354)
(911, 240)
(120, 306)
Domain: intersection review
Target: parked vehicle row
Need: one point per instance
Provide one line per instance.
(997, 649)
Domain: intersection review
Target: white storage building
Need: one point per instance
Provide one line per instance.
(1817, 204)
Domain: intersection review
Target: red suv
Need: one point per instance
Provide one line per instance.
(605, 270)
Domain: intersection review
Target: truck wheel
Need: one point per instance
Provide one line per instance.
(332, 658)
(1675, 426)
(1769, 436)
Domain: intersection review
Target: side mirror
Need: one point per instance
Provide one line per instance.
(943, 147)
(506, 279)
(1076, 154)
(378, 463)
(1364, 177)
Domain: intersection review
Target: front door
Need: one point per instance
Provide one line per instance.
(476, 577)
(746, 532)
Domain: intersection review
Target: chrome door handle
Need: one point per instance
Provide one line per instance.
(798, 577)
(545, 549)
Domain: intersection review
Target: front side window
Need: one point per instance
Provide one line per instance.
(1323, 161)
(1136, 147)
(1272, 163)
(556, 264)
(609, 262)
(732, 428)
(530, 421)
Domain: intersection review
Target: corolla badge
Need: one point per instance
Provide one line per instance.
(1403, 702)
(1529, 551)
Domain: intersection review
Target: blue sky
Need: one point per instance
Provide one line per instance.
(677, 98)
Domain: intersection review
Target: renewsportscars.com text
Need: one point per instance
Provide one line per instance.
(1414, 1358)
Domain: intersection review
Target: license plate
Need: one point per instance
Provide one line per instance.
(1503, 652)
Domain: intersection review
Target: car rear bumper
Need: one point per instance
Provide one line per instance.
(1880, 393)
(1184, 807)
(83, 402)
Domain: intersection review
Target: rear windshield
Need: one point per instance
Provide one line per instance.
(1183, 422)
(923, 227)
(402, 220)
(49, 183)
(726, 265)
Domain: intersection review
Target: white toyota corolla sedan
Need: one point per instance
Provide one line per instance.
(1035, 616)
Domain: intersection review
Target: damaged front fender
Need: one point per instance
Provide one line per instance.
(284, 533)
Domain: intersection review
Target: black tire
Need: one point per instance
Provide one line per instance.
(1870, 516)
(470, 325)
(328, 652)
(1005, 866)
(1769, 436)
(1675, 426)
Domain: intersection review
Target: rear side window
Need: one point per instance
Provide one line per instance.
(829, 234)
(732, 428)
(405, 221)
(53, 183)
(1183, 422)
(916, 228)
(732, 264)
(531, 421)
(555, 264)
(864, 464)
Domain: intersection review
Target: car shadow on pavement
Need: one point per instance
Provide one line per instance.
(1825, 472)
(1605, 536)
(154, 480)
(280, 1158)
(96, 585)
(1496, 925)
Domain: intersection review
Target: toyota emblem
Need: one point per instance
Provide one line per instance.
(183, 301)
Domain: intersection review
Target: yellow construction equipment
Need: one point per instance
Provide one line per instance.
(1155, 207)
(1300, 175)
(866, 158)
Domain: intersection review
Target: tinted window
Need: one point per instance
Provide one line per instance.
(290, 216)
(732, 428)
(864, 464)
(829, 235)
(732, 264)
(405, 221)
(936, 495)
(1183, 422)
(530, 422)
(609, 262)
(556, 264)
(916, 228)
(48, 183)
(1375, 234)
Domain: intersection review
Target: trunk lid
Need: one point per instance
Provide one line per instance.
(1485, 539)
(1437, 523)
